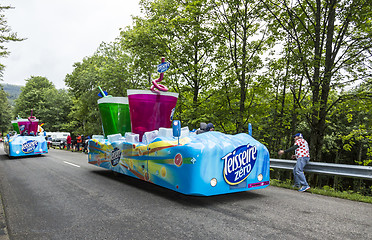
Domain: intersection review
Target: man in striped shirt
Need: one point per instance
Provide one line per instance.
(302, 154)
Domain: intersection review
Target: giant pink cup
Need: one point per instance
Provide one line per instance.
(150, 111)
(30, 126)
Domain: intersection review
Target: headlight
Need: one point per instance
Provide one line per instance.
(213, 182)
(259, 177)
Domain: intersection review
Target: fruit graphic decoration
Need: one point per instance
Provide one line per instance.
(178, 160)
(163, 172)
(146, 176)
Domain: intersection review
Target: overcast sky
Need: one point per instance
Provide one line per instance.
(60, 33)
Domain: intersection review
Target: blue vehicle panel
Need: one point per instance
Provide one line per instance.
(17, 145)
(207, 164)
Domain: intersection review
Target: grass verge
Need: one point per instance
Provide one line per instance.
(326, 191)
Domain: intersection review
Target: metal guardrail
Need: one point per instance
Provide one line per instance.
(344, 170)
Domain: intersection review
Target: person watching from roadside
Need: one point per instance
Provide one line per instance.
(82, 143)
(68, 141)
(302, 154)
(86, 144)
(78, 142)
(73, 144)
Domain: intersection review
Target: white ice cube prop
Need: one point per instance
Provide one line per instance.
(165, 132)
(132, 137)
(185, 132)
(115, 137)
(98, 137)
(168, 132)
(148, 137)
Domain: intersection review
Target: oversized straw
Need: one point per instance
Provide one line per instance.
(161, 68)
(104, 94)
(32, 118)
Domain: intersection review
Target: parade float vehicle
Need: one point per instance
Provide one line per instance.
(141, 140)
(26, 139)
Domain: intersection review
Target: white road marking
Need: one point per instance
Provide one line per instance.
(71, 164)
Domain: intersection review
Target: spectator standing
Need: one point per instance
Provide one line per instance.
(302, 154)
(73, 144)
(86, 144)
(82, 143)
(49, 141)
(78, 142)
(68, 141)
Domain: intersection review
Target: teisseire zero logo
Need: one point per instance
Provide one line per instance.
(115, 157)
(239, 163)
(29, 146)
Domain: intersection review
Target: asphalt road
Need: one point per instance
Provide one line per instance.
(60, 196)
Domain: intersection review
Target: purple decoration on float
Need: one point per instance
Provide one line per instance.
(161, 69)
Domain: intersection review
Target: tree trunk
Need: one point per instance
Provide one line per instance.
(320, 96)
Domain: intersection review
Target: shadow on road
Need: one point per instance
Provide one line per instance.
(4, 157)
(196, 201)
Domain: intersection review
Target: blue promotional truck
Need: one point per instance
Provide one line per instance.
(17, 145)
(26, 139)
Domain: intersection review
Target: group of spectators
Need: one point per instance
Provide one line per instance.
(80, 143)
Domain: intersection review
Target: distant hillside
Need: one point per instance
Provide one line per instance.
(12, 90)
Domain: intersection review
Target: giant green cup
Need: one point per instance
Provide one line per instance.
(114, 115)
(15, 126)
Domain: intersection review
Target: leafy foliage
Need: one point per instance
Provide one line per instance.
(49, 105)
(6, 35)
(5, 111)
(111, 69)
(324, 37)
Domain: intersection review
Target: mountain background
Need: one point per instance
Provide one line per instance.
(12, 90)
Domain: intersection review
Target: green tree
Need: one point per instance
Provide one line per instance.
(327, 36)
(5, 111)
(6, 35)
(57, 107)
(111, 68)
(82, 83)
(357, 115)
(181, 32)
(241, 39)
(49, 105)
